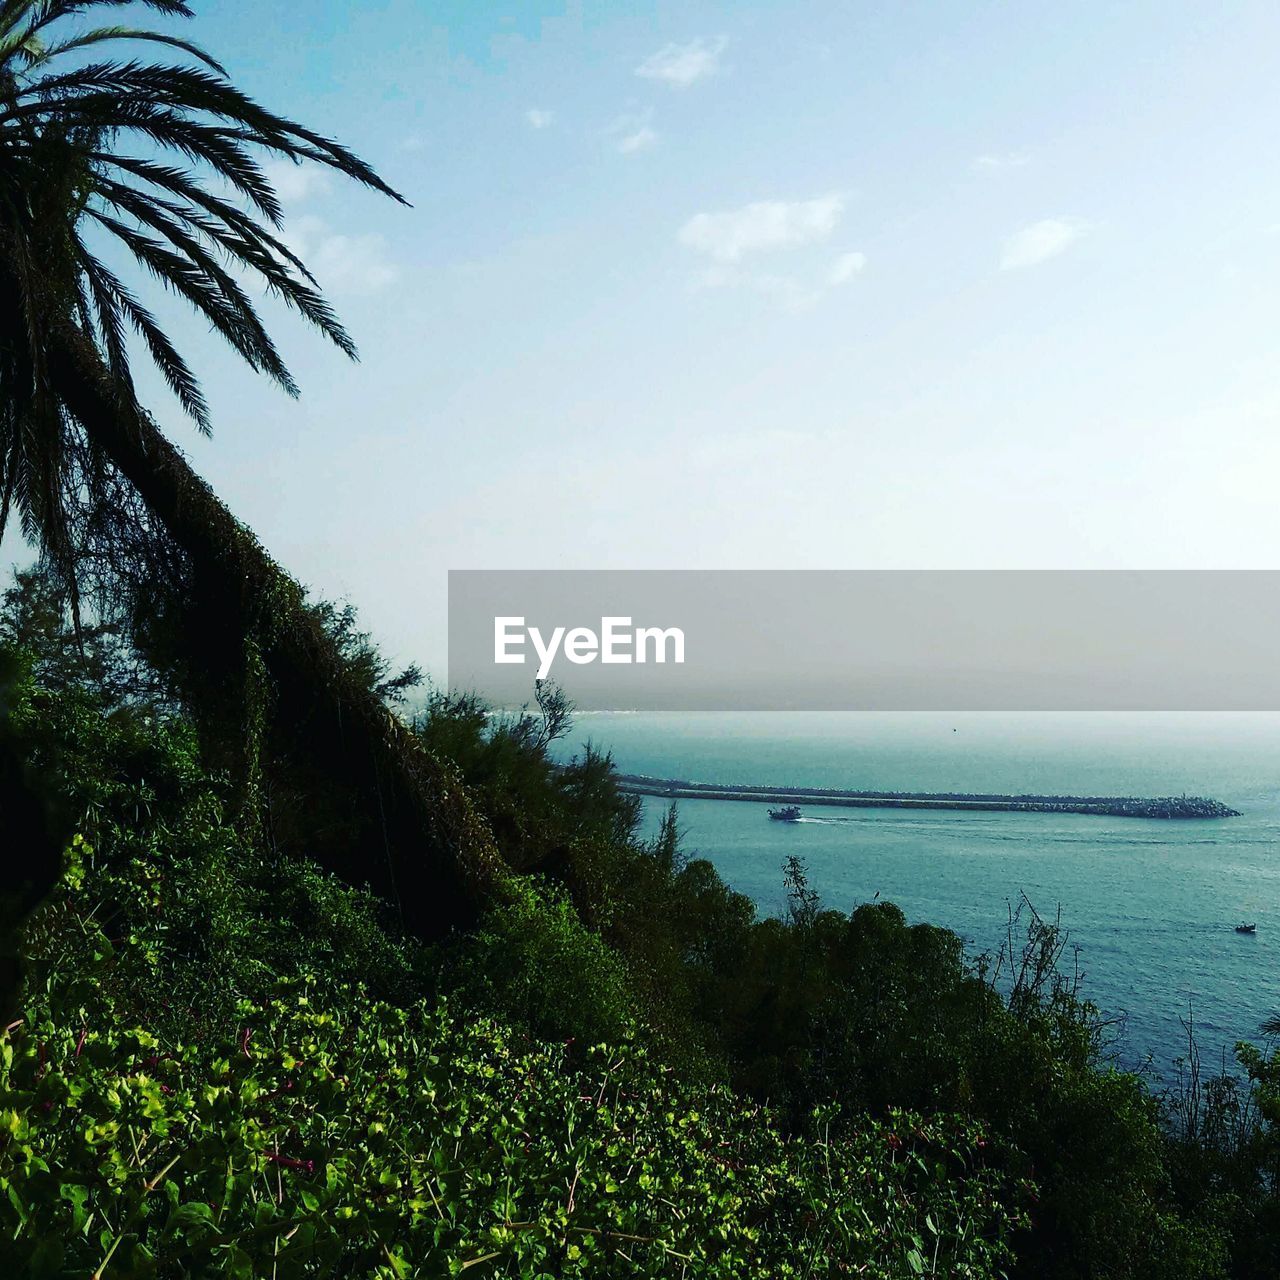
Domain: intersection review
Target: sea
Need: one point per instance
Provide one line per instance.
(1150, 905)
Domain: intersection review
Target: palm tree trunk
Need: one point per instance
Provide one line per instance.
(440, 861)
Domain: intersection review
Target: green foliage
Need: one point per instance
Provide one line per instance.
(365, 1140)
(535, 807)
(877, 1013)
(533, 962)
(140, 1123)
(62, 658)
(214, 914)
(816, 1094)
(1224, 1151)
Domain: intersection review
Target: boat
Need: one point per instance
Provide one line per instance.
(1246, 928)
(788, 813)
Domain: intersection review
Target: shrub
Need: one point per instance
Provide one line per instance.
(369, 1140)
(534, 963)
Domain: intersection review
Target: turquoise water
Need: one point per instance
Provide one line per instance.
(1151, 905)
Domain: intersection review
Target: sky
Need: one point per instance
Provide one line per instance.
(762, 286)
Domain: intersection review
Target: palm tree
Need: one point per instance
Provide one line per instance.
(163, 159)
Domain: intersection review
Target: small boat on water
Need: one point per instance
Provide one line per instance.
(1246, 928)
(788, 813)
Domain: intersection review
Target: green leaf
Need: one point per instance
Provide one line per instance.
(48, 1257)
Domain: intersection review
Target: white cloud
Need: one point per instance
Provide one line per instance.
(632, 132)
(342, 263)
(1041, 241)
(845, 267)
(295, 182)
(537, 118)
(680, 65)
(641, 139)
(765, 225)
(1004, 160)
(413, 143)
(729, 237)
(795, 291)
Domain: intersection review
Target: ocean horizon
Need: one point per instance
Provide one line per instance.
(1150, 905)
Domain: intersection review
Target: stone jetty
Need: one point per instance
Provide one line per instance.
(1113, 806)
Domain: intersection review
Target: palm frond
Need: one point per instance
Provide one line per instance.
(206, 294)
(181, 183)
(109, 321)
(105, 34)
(165, 159)
(33, 16)
(182, 382)
(194, 89)
(175, 229)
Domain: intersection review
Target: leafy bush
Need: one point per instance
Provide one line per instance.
(168, 863)
(533, 963)
(1224, 1150)
(381, 1141)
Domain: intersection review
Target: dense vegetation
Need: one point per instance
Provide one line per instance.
(228, 1062)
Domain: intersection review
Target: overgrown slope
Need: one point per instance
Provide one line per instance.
(231, 1063)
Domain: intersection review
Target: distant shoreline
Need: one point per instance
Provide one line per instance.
(1164, 807)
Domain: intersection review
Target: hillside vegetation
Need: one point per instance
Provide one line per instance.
(228, 1062)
